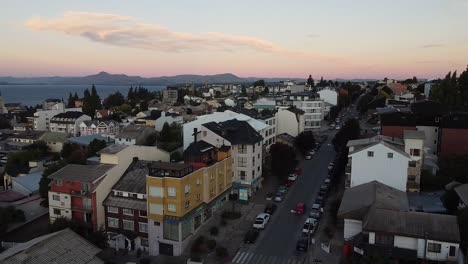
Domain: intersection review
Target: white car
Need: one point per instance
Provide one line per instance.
(292, 177)
(308, 156)
(337, 127)
(261, 221)
(309, 226)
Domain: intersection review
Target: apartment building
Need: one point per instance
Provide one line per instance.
(170, 95)
(391, 161)
(41, 119)
(312, 105)
(183, 196)
(77, 191)
(68, 122)
(246, 149)
(91, 127)
(290, 120)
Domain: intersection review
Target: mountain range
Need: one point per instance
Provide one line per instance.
(104, 78)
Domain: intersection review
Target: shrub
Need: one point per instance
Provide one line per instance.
(211, 244)
(214, 231)
(221, 252)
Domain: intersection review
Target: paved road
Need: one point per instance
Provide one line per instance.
(277, 242)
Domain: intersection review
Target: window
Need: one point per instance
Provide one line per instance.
(171, 192)
(56, 197)
(58, 182)
(241, 162)
(57, 211)
(156, 223)
(128, 225)
(187, 204)
(198, 197)
(412, 164)
(127, 211)
(242, 175)
(435, 142)
(242, 149)
(390, 155)
(187, 188)
(155, 191)
(370, 153)
(452, 251)
(258, 168)
(198, 181)
(143, 227)
(259, 155)
(156, 208)
(433, 247)
(113, 222)
(171, 208)
(142, 214)
(415, 152)
(435, 130)
(114, 210)
(144, 242)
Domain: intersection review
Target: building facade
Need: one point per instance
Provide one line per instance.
(182, 197)
(68, 122)
(91, 127)
(312, 105)
(170, 95)
(290, 121)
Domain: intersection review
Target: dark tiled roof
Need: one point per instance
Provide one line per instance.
(132, 131)
(197, 148)
(112, 149)
(134, 179)
(81, 173)
(125, 202)
(427, 107)
(69, 114)
(295, 110)
(235, 131)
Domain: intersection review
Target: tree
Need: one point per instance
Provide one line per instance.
(310, 81)
(10, 215)
(259, 83)
(351, 130)
(73, 153)
(113, 100)
(243, 91)
(454, 168)
(144, 105)
(95, 146)
(305, 141)
(91, 101)
(218, 94)
(71, 101)
(98, 238)
(462, 218)
(283, 160)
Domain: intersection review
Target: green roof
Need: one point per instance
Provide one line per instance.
(53, 137)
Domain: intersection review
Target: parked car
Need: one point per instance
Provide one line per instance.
(309, 226)
(289, 183)
(302, 243)
(331, 165)
(327, 181)
(320, 200)
(308, 157)
(282, 189)
(312, 152)
(292, 177)
(324, 187)
(337, 127)
(298, 171)
(316, 206)
(251, 236)
(278, 197)
(270, 196)
(299, 209)
(315, 213)
(261, 221)
(270, 209)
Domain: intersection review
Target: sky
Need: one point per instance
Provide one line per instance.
(261, 38)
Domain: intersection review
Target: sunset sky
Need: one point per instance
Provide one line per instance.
(262, 38)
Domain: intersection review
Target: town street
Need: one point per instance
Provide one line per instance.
(277, 243)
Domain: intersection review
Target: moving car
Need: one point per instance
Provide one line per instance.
(300, 208)
(278, 197)
(302, 243)
(270, 209)
(261, 221)
(251, 236)
(309, 226)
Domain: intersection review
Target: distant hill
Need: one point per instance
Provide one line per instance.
(104, 78)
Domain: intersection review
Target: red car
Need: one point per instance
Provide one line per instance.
(289, 183)
(298, 171)
(300, 208)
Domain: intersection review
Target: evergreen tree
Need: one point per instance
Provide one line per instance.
(310, 81)
(71, 101)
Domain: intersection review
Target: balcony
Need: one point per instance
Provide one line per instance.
(81, 193)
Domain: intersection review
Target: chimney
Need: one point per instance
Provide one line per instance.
(195, 133)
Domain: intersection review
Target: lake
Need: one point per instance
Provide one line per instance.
(31, 95)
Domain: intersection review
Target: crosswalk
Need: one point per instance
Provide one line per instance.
(243, 257)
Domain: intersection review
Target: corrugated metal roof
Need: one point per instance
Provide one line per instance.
(125, 202)
(81, 173)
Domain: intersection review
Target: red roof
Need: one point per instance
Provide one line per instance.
(104, 112)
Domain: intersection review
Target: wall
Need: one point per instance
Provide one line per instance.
(329, 96)
(405, 242)
(286, 122)
(444, 254)
(64, 205)
(389, 171)
(431, 140)
(394, 131)
(40, 119)
(453, 142)
(351, 228)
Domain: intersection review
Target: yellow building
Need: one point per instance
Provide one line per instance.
(183, 196)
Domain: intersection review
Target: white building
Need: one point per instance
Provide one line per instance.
(290, 120)
(384, 159)
(68, 122)
(246, 151)
(133, 135)
(329, 95)
(41, 120)
(189, 127)
(312, 106)
(269, 136)
(169, 118)
(91, 127)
